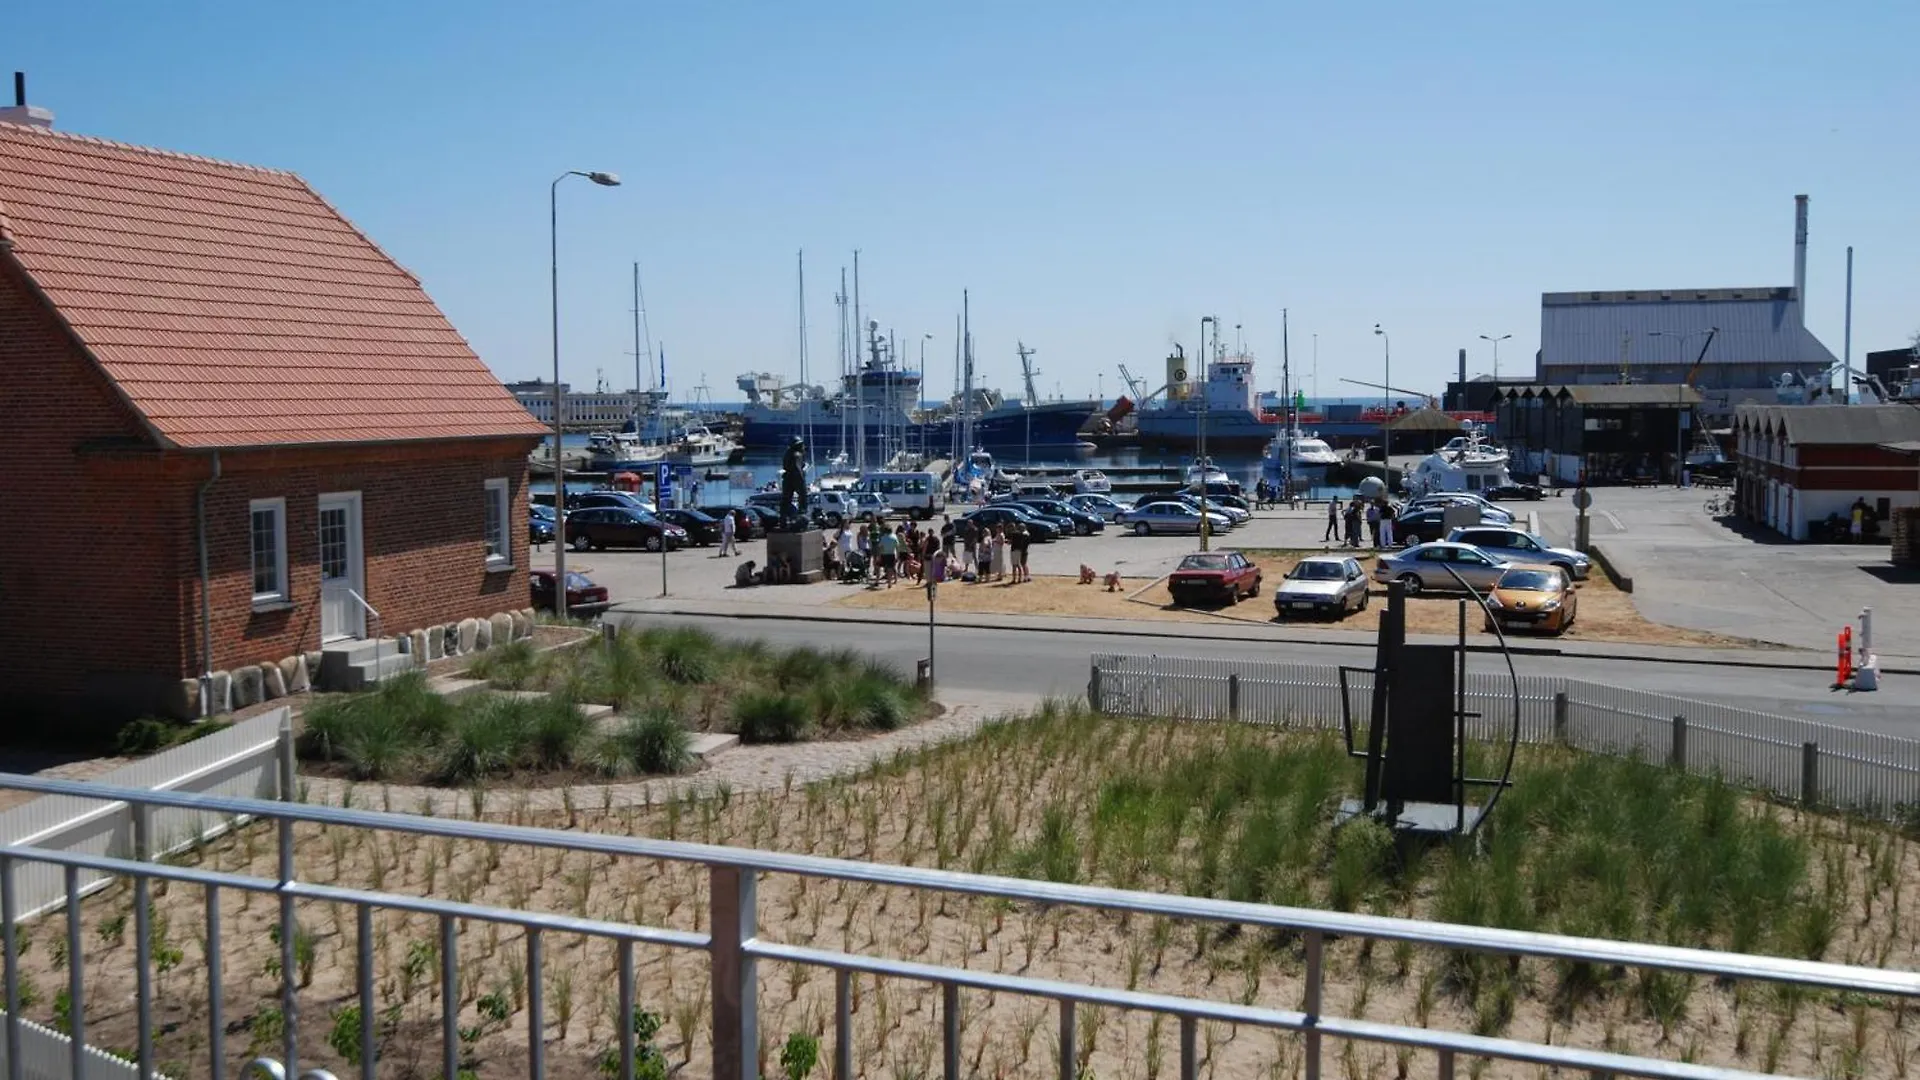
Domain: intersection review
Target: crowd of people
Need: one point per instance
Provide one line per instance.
(1344, 522)
(883, 556)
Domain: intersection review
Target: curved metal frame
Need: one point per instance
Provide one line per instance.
(1513, 676)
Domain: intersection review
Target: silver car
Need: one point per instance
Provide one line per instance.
(1520, 546)
(1098, 504)
(1425, 567)
(1322, 585)
(1169, 517)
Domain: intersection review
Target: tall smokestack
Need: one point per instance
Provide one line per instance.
(1800, 254)
(1463, 370)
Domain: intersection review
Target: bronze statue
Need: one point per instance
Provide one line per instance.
(793, 487)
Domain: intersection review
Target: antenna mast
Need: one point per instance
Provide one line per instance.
(859, 376)
(806, 407)
(1027, 371)
(966, 367)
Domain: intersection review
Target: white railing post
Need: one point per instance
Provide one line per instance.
(1810, 773)
(736, 1021)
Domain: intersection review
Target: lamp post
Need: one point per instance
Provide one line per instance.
(1200, 459)
(1496, 352)
(1386, 419)
(1679, 401)
(604, 179)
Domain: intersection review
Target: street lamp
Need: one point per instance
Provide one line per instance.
(1496, 352)
(1200, 459)
(604, 179)
(1386, 433)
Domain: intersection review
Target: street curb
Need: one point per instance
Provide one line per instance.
(1097, 631)
(1620, 581)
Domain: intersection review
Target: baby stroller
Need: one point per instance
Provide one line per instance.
(855, 568)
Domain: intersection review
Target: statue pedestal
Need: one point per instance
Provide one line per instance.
(805, 551)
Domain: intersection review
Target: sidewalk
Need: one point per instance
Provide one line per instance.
(765, 767)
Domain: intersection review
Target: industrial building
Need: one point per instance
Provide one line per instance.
(1749, 345)
(583, 409)
(1597, 434)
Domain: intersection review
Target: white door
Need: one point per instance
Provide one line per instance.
(341, 570)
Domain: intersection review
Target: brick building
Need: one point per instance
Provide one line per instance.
(227, 415)
(1799, 463)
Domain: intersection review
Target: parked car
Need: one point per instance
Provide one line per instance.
(1004, 514)
(766, 517)
(1536, 596)
(1233, 517)
(1520, 546)
(621, 526)
(1516, 490)
(1489, 513)
(1425, 567)
(1322, 585)
(539, 529)
(583, 596)
(1062, 524)
(1093, 503)
(747, 522)
(1232, 502)
(588, 500)
(702, 529)
(1171, 516)
(869, 506)
(1084, 523)
(1412, 527)
(1217, 576)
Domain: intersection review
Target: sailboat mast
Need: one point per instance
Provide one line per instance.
(966, 363)
(840, 302)
(859, 376)
(957, 448)
(640, 357)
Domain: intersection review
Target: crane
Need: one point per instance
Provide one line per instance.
(1432, 402)
(1698, 361)
(1028, 371)
(1135, 385)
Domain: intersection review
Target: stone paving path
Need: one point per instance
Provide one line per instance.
(741, 769)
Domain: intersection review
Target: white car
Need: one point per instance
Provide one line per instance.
(1322, 585)
(1103, 506)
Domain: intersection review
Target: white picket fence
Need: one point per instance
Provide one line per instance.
(245, 759)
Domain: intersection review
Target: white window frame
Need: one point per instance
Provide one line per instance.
(282, 594)
(497, 495)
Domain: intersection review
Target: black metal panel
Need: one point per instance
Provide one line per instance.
(1420, 722)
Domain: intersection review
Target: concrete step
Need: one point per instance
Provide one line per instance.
(362, 675)
(339, 656)
(706, 746)
(452, 687)
(600, 716)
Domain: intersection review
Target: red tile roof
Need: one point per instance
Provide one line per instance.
(232, 305)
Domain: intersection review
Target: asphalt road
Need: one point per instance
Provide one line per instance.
(1048, 662)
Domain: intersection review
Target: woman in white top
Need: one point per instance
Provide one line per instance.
(999, 553)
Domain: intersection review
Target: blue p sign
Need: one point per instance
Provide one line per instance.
(663, 481)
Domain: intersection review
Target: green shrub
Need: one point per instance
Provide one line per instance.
(878, 699)
(556, 731)
(489, 737)
(513, 666)
(144, 736)
(801, 668)
(763, 716)
(657, 742)
(685, 654)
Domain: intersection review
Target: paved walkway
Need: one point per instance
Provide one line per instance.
(740, 769)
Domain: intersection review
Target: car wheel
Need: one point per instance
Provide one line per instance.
(1411, 540)
(1233, 596)
(1255, 591)
(1411, 582)
(1366, 597)
(1141, 528)
(1565, 568)
(1081, 528)
(834, 520)
(653, 543)
(582, 542)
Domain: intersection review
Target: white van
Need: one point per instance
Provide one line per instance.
(914, 493)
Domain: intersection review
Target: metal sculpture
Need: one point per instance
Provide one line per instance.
(793, 488)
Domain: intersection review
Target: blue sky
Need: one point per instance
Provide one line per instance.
(1100, 175)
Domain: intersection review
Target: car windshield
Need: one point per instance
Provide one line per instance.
(1204, 562)
(1539, 580)
(1318, 571)
(575, 581)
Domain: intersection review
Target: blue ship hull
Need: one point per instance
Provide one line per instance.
(1050, 427)
(1227, 429)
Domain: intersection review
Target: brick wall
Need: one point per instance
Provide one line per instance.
(422, 521)
(84, 558)
(99, 571)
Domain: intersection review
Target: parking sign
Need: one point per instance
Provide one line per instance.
(663, 482)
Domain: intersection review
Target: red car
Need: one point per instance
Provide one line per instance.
(1214, 576)
(583, 596)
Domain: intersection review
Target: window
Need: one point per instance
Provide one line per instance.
(268, 531)
(499, 548)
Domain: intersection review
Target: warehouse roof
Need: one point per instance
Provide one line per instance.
(1759, 325)
(1835, 425)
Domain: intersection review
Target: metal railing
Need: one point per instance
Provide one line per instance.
(1795, 759)
(734, 947)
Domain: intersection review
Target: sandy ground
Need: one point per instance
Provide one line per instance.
(1604, 613)
(944, 808)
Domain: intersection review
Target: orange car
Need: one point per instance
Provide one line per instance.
(1533, 596)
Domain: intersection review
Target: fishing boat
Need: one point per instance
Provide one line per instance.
(1467, 463)
(622, 451)
(1301, 456)
(700, 446)
(1204, 471)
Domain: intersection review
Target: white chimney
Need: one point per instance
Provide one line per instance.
(22, 113)
(1800, 254)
